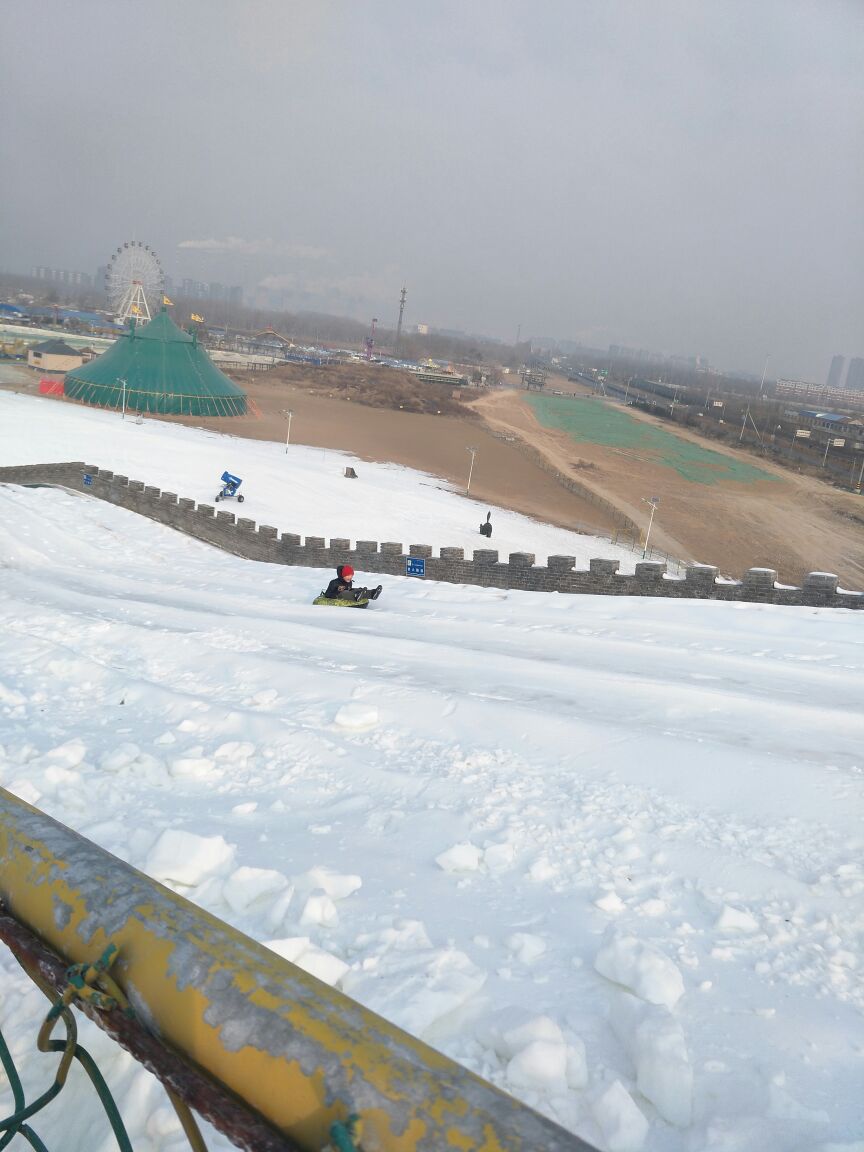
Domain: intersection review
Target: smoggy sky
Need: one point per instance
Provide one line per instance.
(682, 175)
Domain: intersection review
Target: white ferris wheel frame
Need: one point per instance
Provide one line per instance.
(133, 273)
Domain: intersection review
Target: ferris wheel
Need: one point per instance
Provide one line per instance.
(133, 281)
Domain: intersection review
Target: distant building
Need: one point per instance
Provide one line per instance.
(835, 372)
(193, 289)
(422, 329)
(818, 393)
(63, 276)
(235, 294)
(855, 375)
(54, 356)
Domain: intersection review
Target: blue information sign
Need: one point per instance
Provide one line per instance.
(415, 566)
(88, 480)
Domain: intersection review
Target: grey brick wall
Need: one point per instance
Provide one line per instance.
(243, 537)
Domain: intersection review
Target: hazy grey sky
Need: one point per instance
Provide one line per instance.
(685, 175)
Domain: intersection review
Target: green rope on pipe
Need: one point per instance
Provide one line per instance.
(81, 978)
(345, 1137)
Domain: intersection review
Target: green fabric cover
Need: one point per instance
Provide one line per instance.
(166, 370)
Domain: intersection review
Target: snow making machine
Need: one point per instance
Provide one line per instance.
(230, 487)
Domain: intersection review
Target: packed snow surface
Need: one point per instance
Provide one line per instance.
(606, 852)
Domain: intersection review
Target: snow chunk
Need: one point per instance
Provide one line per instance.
(577, 1064)
(319, 909)
(623, 1126)
(610, 902)
(194, 767)
(24, 790)
(526, 947)
(122, 756)
(68, 755)
(234, 750)
(336, 885)
(183, 858)
(509, 1030)
(736, 920)
(644, 969)
(460, 858)
(357, 715)
(302, 952)
(246, 886)
(323, 965)
(416, 989)
(499, 857)
(541, 1065)
(655, 1041)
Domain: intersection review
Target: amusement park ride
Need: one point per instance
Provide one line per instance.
(134, 282)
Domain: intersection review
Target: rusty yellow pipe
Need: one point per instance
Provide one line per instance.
(297, 1051)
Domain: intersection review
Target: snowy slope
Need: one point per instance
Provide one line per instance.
(605, 852)
(303, 490)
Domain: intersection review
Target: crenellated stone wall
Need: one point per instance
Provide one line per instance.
(243, 537)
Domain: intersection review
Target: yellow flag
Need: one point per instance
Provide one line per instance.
(197, 318)
(136, 309)
(167, 303)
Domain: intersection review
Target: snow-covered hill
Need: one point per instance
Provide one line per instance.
(605, 852)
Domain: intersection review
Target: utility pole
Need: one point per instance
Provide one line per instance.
(653, 501)
(399, 325)
(473, 452)
(860, 477)
(764, 370)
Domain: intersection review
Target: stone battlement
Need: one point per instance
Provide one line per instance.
(243, 537)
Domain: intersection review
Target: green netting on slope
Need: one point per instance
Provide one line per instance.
(165, 371)
(589, 421)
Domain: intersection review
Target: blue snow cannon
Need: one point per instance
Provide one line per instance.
(230, 485)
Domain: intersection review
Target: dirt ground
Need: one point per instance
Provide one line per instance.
(792, 523)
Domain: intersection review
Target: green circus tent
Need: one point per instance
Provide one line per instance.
(165, 371)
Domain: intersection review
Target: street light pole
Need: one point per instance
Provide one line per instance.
(764, 370)
(654, 501)
(288, 437)
(827, 446)
(860, 477)
(473, 452)
(123, 409)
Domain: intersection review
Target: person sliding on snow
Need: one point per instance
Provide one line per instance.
(342, 587)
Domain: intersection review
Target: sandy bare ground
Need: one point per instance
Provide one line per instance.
(793, 523)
